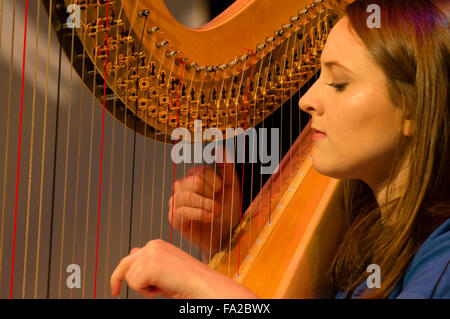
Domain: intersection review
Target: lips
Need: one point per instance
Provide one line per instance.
(317, 131)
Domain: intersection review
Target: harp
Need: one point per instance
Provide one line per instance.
(153, 75)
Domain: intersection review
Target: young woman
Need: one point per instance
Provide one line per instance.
(382, 101)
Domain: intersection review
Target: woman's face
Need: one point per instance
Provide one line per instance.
(351, 104)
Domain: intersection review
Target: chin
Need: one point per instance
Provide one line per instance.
(328, 169)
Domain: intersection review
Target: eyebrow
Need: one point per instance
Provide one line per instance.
(330, 64)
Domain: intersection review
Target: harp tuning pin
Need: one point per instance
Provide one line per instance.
(260, 46)
(307, 7)
(294, 19)
(191, 65)
(143, 13)
(233, 63)
(181, 60)
(223, 67)
(243, 58)
(279, 33)
(161, 44)
(201, 68)
(270, 40)
(318, 1)
(286, 26)
(171, 54)
(302, 12)
(212, 68)
(152, 30)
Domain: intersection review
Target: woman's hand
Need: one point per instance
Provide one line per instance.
(160, 268)
(203, 198)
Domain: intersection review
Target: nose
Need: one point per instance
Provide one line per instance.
(311, 102)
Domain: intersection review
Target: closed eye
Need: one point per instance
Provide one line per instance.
(338, 86)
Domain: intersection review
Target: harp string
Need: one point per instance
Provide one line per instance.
(44, 139)
(300, 57)
(94, 84)
(111, 170)
(280, 168)
(154, 152)
(294, 35)
(243, 164)
(30, 167)
(124, 134)
(153, 189)
(195, 141)
(167, 83)
(299, 52)
(19, 147)
(224, 165)
(122, 217)
(238, 107)
(162, 199)
(145, 150)
(255, 88)
(144, 142)
(102, 143)
(69, 110)
(77, 179)
(184, 168)
(224, 169)
(174, 164)
(154, 167)
(11, 74)
(263, 122)
(124, 152)
(214, 182)
(55, 153)
(234, 162)
(215, 164)
(137, 53)
(167, 79)
(269, 60)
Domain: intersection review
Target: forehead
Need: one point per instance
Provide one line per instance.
(343, 45)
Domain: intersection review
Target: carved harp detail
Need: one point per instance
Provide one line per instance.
(155, 75)
(146, 58)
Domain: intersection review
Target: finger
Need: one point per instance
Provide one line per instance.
(194, 200)
(201, 180)
(119, 273)
(134, 250)
(137, 278)
(190, 213)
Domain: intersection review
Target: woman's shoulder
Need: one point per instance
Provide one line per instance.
(428, 274)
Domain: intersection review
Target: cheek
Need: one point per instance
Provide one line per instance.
(361, 134)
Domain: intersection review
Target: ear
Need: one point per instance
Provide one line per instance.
(408, 127)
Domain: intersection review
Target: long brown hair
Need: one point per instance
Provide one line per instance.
(412, 48)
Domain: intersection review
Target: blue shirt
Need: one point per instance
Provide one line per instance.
(428, 274)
